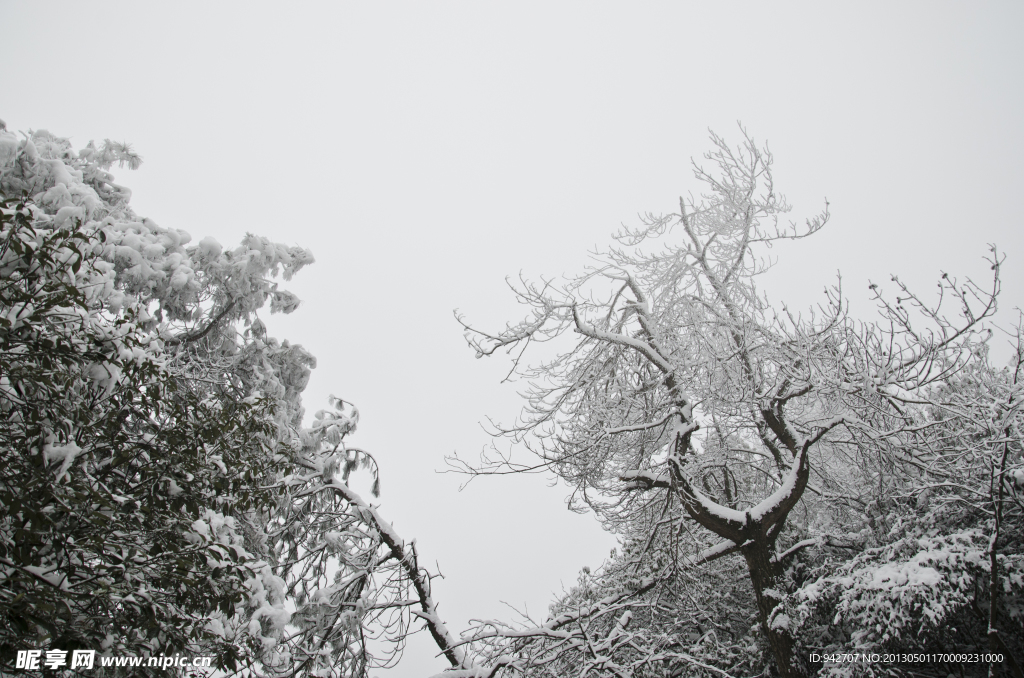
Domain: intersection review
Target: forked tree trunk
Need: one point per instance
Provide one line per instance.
(755, 531)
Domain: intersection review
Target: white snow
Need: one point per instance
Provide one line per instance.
(65, 453)
(780, 622)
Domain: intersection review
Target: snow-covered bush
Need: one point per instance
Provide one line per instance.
(908, 595)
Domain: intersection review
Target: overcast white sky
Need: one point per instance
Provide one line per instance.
(424, 151)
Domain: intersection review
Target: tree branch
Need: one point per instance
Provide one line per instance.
(196, 336)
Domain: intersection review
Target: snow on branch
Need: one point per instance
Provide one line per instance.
(641, 347)
(480, 671)
(646, 480)
(419, 577)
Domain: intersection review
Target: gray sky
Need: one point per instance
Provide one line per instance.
(424, 151)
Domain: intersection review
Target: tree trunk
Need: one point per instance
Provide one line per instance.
(762, 577)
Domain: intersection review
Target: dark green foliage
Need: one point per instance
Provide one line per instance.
(105, 464)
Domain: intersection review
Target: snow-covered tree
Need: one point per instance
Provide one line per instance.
(699, 421)
(158, 492)
(104, 477)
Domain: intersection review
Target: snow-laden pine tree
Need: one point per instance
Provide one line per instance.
(747, 455)
(158, 493)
